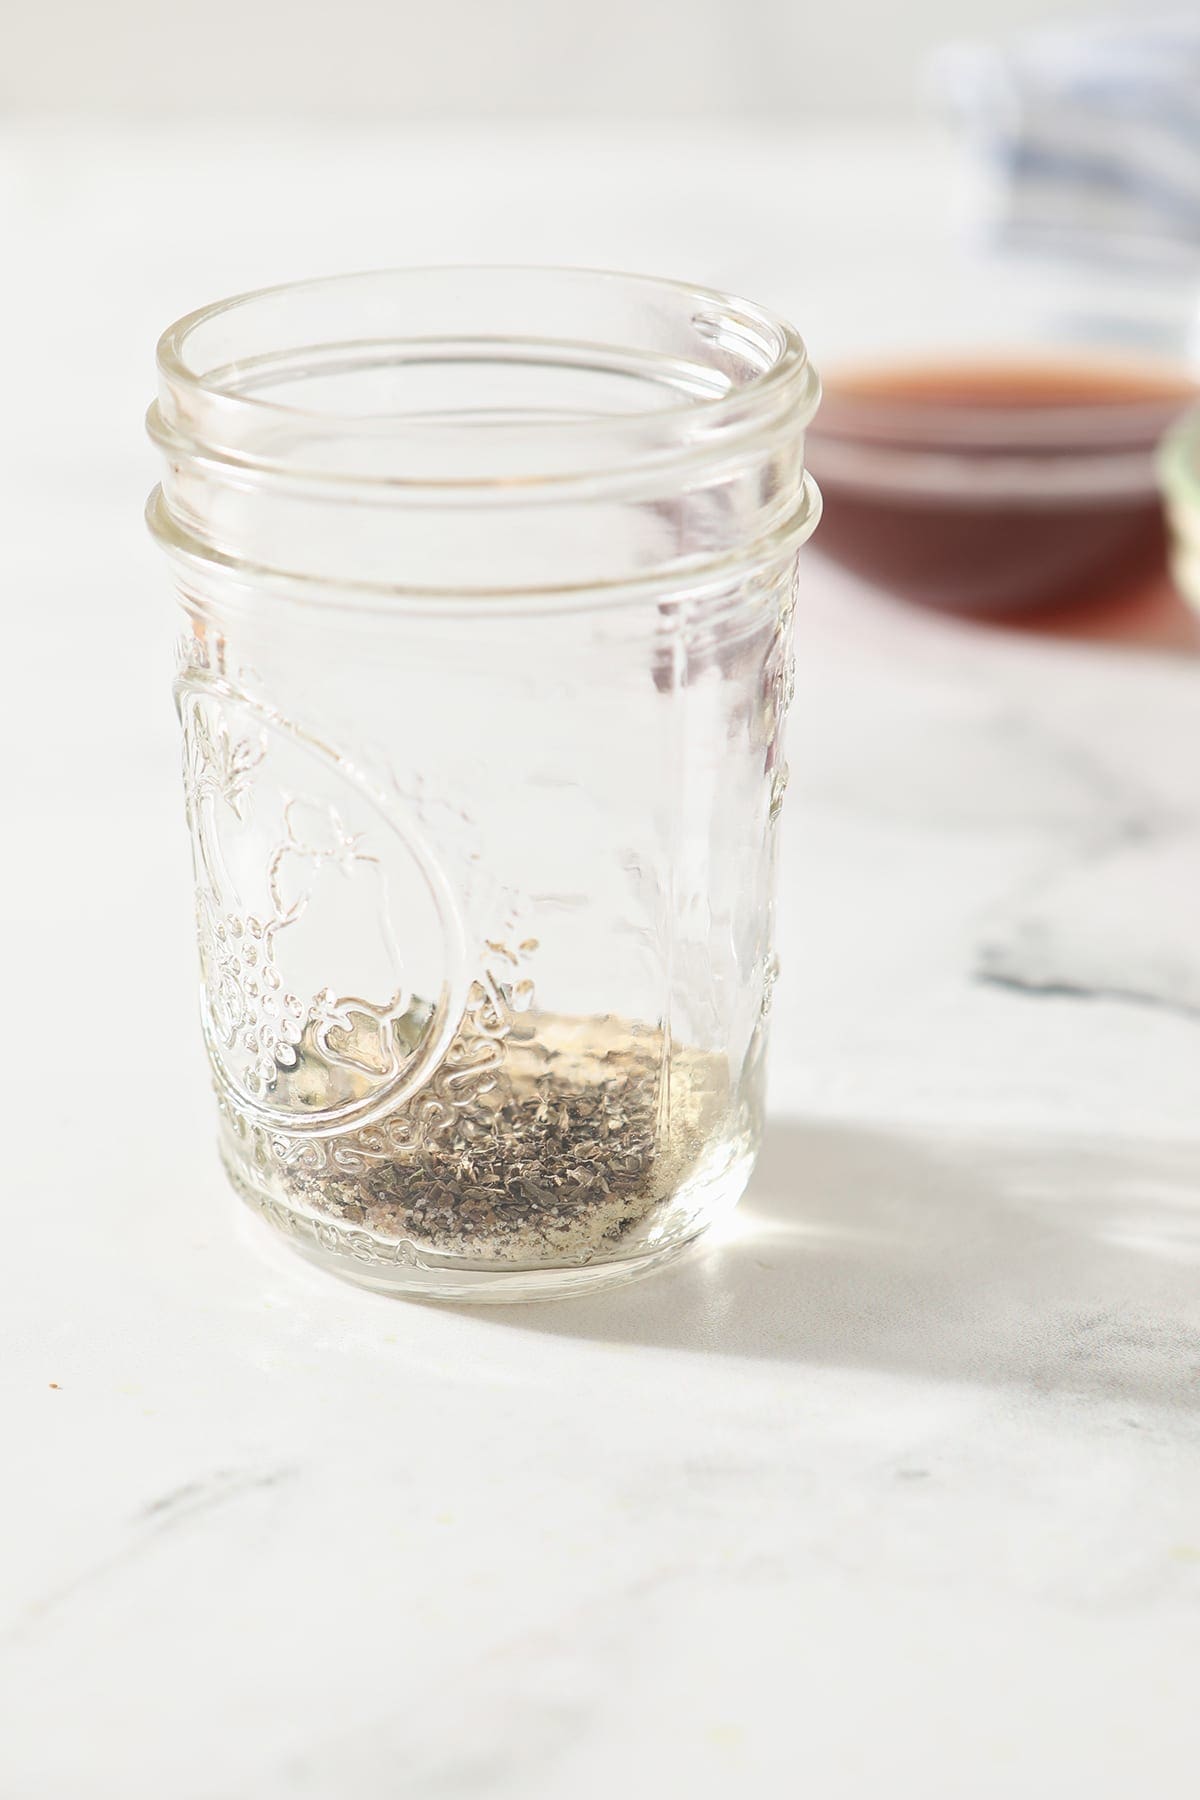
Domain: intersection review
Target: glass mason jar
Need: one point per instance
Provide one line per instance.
(488, 580)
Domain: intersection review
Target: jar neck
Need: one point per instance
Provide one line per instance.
(329, 435)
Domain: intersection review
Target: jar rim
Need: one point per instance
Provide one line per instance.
(209, 410)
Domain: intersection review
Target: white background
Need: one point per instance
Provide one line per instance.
(782, 59)
(892, 1490)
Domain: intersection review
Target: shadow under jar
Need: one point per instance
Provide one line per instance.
(488, 579)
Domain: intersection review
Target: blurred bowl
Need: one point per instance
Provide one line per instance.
(987, 439)
(998, 485)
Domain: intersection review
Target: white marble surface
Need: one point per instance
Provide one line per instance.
(894, 1490)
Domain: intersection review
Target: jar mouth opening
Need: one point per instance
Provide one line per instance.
(461, 374)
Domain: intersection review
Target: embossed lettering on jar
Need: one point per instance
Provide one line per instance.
(488, 579)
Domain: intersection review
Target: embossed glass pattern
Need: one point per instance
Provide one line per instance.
(487, 580)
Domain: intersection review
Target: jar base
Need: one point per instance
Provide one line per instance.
(504, 1287)
(500, 1286)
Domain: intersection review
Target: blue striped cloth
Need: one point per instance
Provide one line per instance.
(1090, 134)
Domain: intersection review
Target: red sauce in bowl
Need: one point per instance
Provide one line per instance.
(996, 488)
